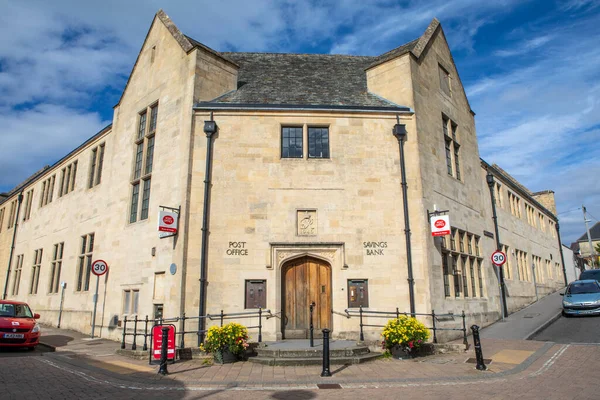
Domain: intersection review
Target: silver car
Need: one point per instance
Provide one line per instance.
(581, 298)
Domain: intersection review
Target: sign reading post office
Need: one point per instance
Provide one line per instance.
(440, 225)
(167, 223)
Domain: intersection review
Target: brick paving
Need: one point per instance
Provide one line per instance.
(80, 369)
(565, 372)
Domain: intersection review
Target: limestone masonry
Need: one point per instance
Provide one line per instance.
(304, 203)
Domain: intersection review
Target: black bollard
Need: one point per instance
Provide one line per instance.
(163, 351)
(326, 371)
(124, 332)
(312, 340)
(477, 344)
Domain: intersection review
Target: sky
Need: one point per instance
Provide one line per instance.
(530, 68)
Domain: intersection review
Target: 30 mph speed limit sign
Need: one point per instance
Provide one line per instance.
(99, 267)
(498, 258)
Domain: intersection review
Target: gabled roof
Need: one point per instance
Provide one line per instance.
(594, 233)
(187, 44)
(302, 80)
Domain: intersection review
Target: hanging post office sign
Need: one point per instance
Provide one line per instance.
(440, 225)
(167, 223)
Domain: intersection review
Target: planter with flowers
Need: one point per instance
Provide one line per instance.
(227, 343)
(404, 336)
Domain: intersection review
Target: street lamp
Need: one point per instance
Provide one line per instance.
(491, 183)
(400, 133)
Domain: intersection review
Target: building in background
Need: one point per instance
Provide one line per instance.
(305, 196)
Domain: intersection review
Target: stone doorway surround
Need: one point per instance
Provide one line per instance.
(333, 253)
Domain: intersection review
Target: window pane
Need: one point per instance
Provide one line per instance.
(88, 269)
(100, 162)
(83, 242)
(134, 202)
(93, 168)
(318, 142)
(80, 271)
(153, 115)
(136, 297)
(73, 175)
(448, 157)
(149, 155)
(57, 280)
(145, 199)
(91, 243)
(291, 142)
(142, 126)
(456, 161)
(138, 161)
(127, 302)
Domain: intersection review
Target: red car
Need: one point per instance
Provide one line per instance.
(18, 326)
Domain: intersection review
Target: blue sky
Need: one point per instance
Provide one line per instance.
(531, 70)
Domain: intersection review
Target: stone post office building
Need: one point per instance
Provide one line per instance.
(301, 199)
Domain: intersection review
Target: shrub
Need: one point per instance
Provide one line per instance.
(232, 336)
(404, 331)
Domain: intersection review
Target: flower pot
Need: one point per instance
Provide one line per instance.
(401, 353)
(224, 356)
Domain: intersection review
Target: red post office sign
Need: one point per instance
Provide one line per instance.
(167, 222)
(157, 342)
(440, 225)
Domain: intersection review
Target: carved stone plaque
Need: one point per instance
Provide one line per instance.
(307, 222)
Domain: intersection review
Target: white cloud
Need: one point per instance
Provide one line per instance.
(541, 122)
(41, 136)
(525, 47)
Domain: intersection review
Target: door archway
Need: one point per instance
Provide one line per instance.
(305, 280)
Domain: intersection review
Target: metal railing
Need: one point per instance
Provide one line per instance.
(435, 318)
(222, 316)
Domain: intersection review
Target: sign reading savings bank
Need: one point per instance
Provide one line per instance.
(440, 225)
(167, 223)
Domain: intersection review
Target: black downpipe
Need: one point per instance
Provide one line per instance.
(400, 133)
(562, 257)
(12, 246)
(491, 183)
(209, 129)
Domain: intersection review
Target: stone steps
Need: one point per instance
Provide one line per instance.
(279, 354)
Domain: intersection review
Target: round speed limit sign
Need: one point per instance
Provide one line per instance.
(498, 258)
(99, 267)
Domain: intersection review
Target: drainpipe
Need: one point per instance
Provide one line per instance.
(490, 181)
(562, 257)
(210, 127)
(400, 134)
(12, 247)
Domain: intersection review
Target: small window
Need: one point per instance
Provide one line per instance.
(130, 301)
(358, 293)
(256, 294)
(291, 142)
(96, 166)
(35, 273)
(84, 267)
(445, 81)
(318, 142)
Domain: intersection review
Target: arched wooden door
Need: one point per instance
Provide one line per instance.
(305, 280)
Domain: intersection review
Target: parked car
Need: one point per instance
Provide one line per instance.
(590, 274)
(18, 325)
(582, 298)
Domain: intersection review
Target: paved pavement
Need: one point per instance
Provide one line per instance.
(83, 368)
(62, 375)
(527, 322)
(572, 330)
